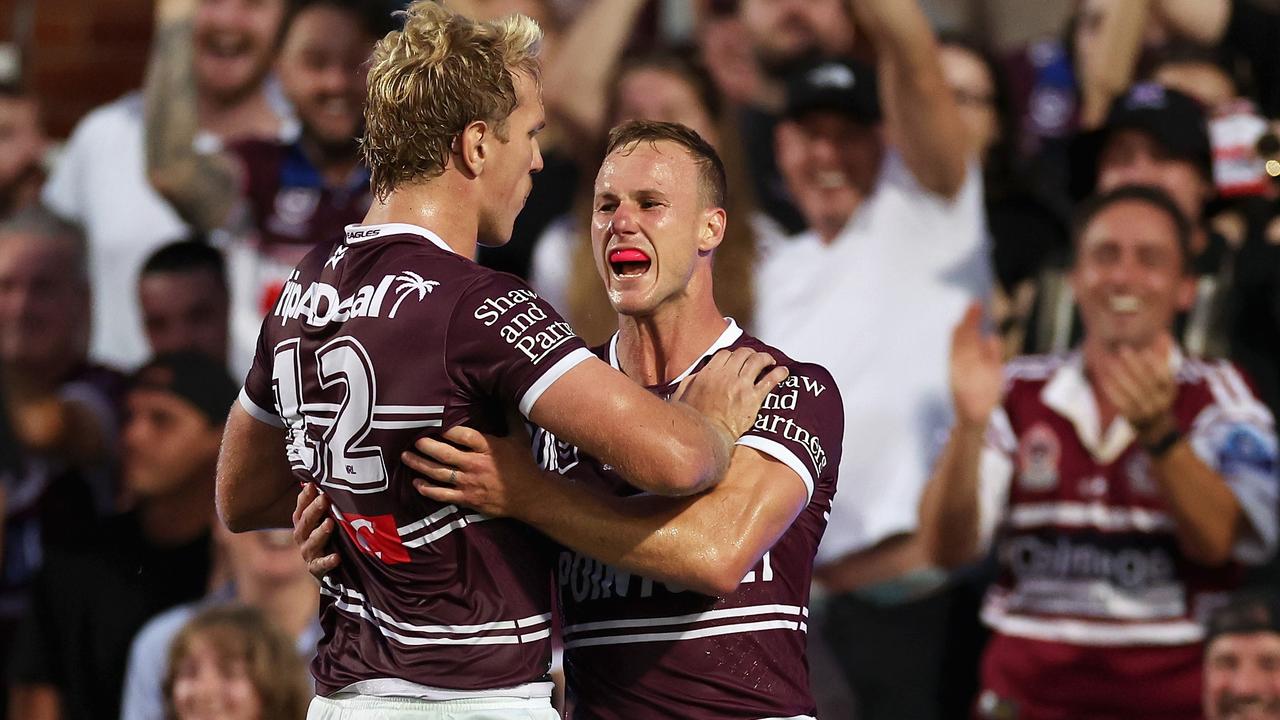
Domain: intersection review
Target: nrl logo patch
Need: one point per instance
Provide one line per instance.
(1038, 454)
(1137, 470)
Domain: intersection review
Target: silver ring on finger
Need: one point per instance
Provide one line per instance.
(453, 476)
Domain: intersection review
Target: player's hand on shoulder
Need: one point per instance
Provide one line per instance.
(494, 475)
(730, 388)
(313, 530)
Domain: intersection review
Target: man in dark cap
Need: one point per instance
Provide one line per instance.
(1158, 137)
(1242, 660)
(88, 601)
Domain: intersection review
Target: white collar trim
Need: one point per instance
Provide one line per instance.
(357, 233)
(727, 338)
(1069, 394)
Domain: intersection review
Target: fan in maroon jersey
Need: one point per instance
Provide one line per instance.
(1126, 485)
(395, 334)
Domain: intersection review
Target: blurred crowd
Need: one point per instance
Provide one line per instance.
(884, 175)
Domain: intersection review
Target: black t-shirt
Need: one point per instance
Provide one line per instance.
(87, 604)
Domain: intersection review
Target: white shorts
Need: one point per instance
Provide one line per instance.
(353, 706)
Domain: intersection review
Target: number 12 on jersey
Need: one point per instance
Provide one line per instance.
(339, 458)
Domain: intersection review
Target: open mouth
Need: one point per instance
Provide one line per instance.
(225, 46)
(1125, 304)
(629, 263)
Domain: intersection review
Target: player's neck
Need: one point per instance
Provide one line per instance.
(654, 349)
(434, 205)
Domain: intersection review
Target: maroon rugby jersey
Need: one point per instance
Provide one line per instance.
(1096, 611)
(636, 648)
(375, 342)
(288, 199)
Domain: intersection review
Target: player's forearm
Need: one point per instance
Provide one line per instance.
(255, 489)
(1206, 513)
(664, 539)
(919, 110)
(199, 188)
(682, 454)
(949, 510)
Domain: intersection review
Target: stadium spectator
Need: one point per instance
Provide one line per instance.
(1242, 660)
(182, 291)
(1027, 223)
(897, 240)
(458, 343)
(779, 35)
(232, 663)
(100, 180)
(60, 414)
(267, 574)
(1129, 482)
(22, 150)
(278, 198)
(1060, 87)
(89, 599)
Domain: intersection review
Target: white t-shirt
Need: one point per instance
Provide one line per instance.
(876, 307)
(100, 182)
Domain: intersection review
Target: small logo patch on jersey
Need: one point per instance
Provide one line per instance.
(1137, 470)
(375, 536)
(552, 453)
(1038, 455)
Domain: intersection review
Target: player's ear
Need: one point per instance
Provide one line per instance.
(469, 147)
(711, 233)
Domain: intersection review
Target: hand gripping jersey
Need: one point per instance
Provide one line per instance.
(636, 648)
(374, 342)
(1096, 611)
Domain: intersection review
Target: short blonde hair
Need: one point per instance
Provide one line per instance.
(430, 80)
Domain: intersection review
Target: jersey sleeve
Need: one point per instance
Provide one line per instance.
(995, 471)
(257, 397)
(1240, 445)
(801, 425)
(506, 342)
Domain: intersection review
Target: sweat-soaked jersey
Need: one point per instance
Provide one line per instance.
(374, 342)
(636, 648)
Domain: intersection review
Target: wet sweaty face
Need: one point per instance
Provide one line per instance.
(647, 217)
(510, 164)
